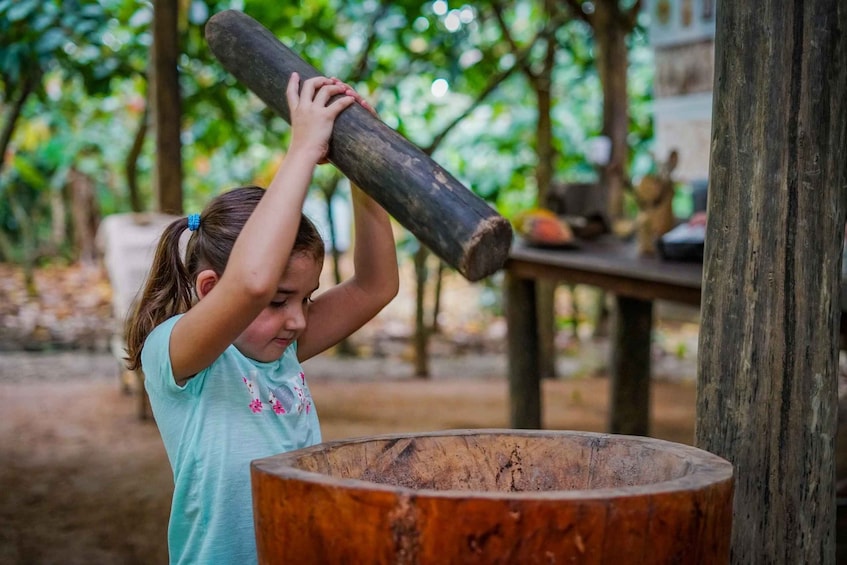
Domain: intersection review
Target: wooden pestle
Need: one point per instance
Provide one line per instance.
(452, 221)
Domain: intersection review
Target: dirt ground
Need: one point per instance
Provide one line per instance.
(84, 481)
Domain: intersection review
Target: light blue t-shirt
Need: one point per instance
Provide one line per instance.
(231, 413)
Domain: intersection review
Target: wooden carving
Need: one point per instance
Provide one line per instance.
(654, 195)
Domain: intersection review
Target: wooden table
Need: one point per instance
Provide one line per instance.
(635, 282)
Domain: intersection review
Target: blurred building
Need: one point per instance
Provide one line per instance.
(682, 33)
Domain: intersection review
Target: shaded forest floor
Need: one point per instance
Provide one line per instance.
(84, 481)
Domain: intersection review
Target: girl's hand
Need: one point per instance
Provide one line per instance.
(312, 113)
(349, 91)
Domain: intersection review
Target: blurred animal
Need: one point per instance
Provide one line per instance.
(654, 196)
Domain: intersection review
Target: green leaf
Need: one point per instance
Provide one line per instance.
(141, 18)
(85, 27)
(51, 40)
(104, 68)
(11, 66)
(41, 22)
(21, 10)
(28, 171)
(198, 12)
(93, 11)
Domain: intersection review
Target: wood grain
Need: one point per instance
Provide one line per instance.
(494, 496)
(768, 355)
(452, 221)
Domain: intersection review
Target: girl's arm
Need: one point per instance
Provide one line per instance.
(232, 301)
(340, 311)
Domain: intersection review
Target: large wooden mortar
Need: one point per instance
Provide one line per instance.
(494, 496)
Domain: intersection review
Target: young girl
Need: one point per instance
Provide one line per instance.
(220, 336)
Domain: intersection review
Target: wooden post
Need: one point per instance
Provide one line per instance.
(629, 410)
(449, 219)
(768, 358)
(524, 377)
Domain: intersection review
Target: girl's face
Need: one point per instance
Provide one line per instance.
(285, 318)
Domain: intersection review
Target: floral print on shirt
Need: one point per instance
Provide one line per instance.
(282, 400)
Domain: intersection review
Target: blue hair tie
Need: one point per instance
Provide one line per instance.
(193, 221)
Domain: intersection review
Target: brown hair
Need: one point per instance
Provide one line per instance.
(169, 289)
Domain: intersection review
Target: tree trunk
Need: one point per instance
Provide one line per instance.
(421, 338)
(28, 244)
(132, 161)
(768, 361)
(544, 127)
(344, 347)
(58, 212)
(610, 34)
(167, 107)
(434, 325)
(14, 113)
(85, 216)
(546, 290)
(611, 25)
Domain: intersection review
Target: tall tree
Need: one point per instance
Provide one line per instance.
(611, 22)
(540, 78)
(768, 354)
(167, 106)
(33, 37)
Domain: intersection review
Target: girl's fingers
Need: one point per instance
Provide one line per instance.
(367, 106)
(350, 91)
(341, 103)
(292, 90)
(311, 86)
(326, 92)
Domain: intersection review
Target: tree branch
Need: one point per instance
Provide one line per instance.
(630, 17)
(361, 66)
(489, 88)
(131, 162)
(576, 10)
(15, 112)
(504, 29)
(521, 58)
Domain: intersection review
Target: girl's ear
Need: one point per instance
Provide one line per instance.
(206, 281)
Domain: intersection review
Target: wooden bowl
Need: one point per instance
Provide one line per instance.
(494, 496)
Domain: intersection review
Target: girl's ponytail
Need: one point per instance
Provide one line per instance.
(170, 286)
(167, 292)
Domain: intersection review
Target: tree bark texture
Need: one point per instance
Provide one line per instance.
(449, 219)
(611, 25)
(768, 349)
(131, 163)
(167, 107)
(421, 338)
(15, 110)
(546, 303)
(85, 214)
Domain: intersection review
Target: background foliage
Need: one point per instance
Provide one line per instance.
(85, 64)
